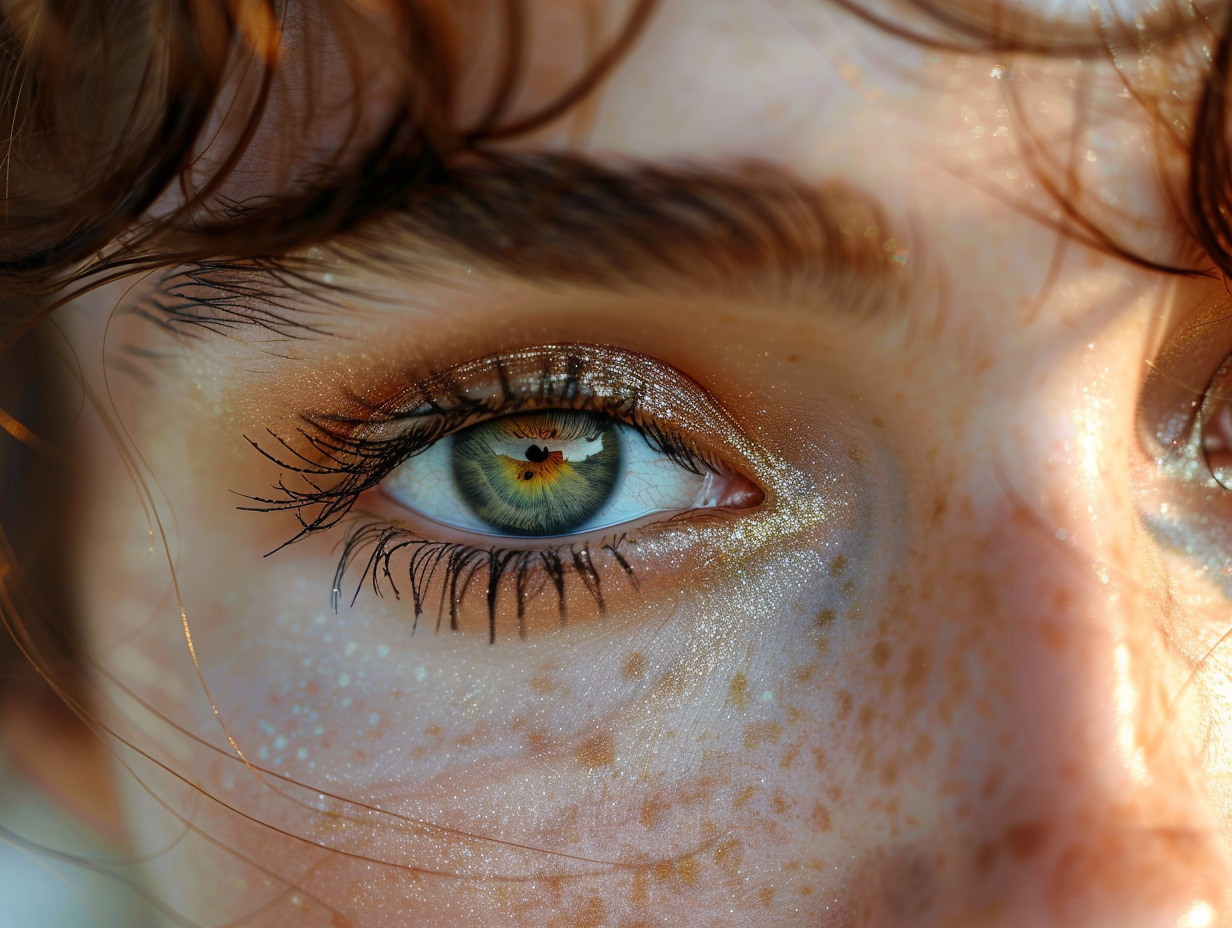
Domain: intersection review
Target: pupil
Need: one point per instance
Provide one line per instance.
(537, 455)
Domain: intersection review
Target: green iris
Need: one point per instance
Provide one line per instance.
(542, 473)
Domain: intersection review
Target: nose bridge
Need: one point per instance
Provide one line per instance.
(1081, 803)
(1100, 815)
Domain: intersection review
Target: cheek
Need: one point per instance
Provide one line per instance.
(696, 754)
(727, 748)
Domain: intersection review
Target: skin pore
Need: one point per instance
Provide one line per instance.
(960, 667)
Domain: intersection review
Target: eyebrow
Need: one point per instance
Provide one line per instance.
(747, 231)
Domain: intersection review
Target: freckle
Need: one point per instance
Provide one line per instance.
(939, 507)
(854, 614)
(778, 802)
(766, 894)
(820, 818)
(793, 714)
(844, 704)
(591, 915)
(538, 740)
(857, 455)
(825, 618)
(922, 750)
(663, 871)
(639, 891)
(742, 798)
(820, 760)
(789, 756)
(671, 684)
(838, 565)
(1026, 839)
(804, 674)
(992, 784)
(882, 653)
(738, 691)
(652, 811)
(1054, 636)
(634, 667)
(687, 871)
(728, 856)
(849, 587)
(889, 773)
(877, 423)
(433, 730)
(759, 733)
(793, 358)
(542, 684)
(865, 716)
(806, 890)
(597, 751)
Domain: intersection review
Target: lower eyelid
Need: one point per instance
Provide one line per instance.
(541, 585)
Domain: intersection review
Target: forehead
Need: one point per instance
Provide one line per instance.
(959, 144)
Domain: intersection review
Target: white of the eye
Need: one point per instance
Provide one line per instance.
(649, 482)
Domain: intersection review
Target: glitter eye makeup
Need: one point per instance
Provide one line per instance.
(527, 472)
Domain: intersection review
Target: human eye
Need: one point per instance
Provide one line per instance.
(554, 473)
(530, 475)
(1186, 409)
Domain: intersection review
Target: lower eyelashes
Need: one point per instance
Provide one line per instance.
(468, 587)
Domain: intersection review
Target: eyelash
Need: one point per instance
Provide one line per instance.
(461, 563)
(353, 457)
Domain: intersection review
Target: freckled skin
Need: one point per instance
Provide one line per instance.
(930, 708)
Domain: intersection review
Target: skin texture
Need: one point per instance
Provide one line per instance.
(962, 668)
